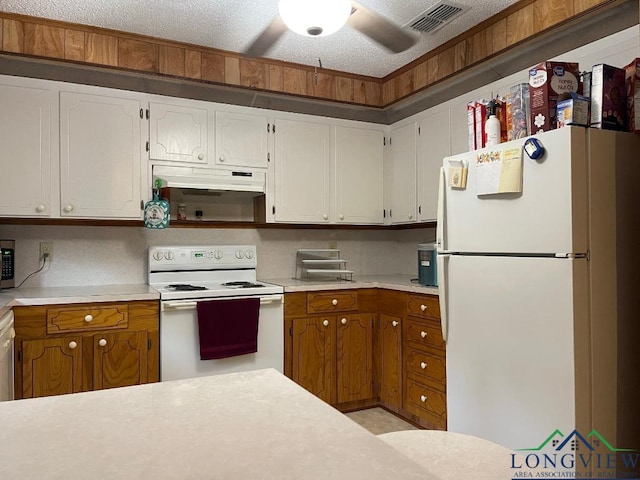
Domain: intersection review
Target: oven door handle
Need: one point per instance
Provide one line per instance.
(191, 304)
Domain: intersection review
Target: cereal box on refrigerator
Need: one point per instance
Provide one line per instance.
(632, 79)
(519, 120)
(547, 80)
(608, 97)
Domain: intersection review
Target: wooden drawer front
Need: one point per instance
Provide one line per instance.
(421, 399)
(89, 317)
(424, 306)
(424, 365)
(424, 333)
(332, 302)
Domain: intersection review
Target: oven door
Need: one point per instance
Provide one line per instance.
(180, 345)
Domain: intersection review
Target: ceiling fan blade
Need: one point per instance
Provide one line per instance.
(267, 39)
(380, 29)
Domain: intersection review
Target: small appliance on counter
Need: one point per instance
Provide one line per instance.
(7, 249)
(427, 269)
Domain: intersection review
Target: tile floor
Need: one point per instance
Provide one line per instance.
(378, 420)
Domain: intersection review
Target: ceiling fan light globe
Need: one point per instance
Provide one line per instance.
(307, 17)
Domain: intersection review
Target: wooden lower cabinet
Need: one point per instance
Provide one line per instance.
(84, 355)
(390, 360)
(390, 352)
(330, 355)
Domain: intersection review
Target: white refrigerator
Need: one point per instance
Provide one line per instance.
(539, 292)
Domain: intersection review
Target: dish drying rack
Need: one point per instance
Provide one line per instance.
(321, 263)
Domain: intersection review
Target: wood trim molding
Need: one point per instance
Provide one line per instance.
(72, 43)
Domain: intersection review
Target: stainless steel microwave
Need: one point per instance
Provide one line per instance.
(8, 250)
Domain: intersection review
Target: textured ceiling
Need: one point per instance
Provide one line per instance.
(233, 24)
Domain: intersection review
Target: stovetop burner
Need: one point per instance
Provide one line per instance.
(242, 285)
(183, 287)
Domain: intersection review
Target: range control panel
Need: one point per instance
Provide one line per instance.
(202, 257)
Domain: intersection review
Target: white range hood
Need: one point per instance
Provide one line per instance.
(211, 179)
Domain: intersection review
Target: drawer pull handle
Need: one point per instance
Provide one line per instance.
(343, 321)
(102, 342)
(334, 302)
(325, 323)
(423, 365)
(423, 307)
(88, 318)
(423, 398)
(72, 345)
(394, 323)
(423, 334)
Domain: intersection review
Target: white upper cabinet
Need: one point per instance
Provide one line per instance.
(434, 143)
(100, 156)
(302, 172)
(242, 139)
(400, 175)
(28, 149)
(358, 175)
(179, 133)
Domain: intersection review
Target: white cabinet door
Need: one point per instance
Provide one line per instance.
(302, 172)
(358, 175)
(434, 143)
(26, 150)
(241, 139)
(100, 156)
(401, 177)
(178, 133)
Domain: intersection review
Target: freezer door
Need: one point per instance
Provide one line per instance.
(549, 216)
(510, 349)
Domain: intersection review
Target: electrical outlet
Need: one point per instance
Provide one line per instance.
(46, 247)
(333, 244)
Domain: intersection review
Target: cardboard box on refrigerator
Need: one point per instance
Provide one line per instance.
(608, 97)
(632, 80)
(471, 125)
(547, 80)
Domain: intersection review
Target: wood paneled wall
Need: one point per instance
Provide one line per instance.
(31, 36)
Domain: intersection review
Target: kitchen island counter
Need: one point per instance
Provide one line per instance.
(403, 283)
(256, 424)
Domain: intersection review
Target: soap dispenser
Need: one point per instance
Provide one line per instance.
(492, 125)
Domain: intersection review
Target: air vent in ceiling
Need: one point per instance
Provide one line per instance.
(436, 16)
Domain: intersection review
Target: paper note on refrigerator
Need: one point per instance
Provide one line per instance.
(499, 171)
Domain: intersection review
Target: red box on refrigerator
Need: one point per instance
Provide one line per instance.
(471, 125)
(632, 80)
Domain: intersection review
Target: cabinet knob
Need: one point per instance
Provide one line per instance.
(423, 307)
(68, 208)
(73, 345)
(423, 365)
(325, 216)
(341, 216)
(343, 321)
(40, 208)
(221, 159)
(334, 302)
(394, 323)
(88, 318)
(200, 156)
(423, 398)
(410, 216)
(423, 334)
(102, 342)
(325, 323)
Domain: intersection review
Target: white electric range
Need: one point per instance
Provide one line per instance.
(186, 275)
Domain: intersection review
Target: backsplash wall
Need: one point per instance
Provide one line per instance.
(118, 255)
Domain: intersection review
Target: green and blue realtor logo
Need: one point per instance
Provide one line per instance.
(576, 456)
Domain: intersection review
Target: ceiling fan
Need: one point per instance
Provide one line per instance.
(315, 18)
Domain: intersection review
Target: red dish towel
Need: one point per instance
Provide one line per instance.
(228, 327)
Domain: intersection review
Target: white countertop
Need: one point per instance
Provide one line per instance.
(77, 294)
(392, 282)
(241, 426)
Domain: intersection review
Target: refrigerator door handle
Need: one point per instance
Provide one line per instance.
(440, 218)
(443, 266)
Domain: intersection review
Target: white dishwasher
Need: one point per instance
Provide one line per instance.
(7, 334)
